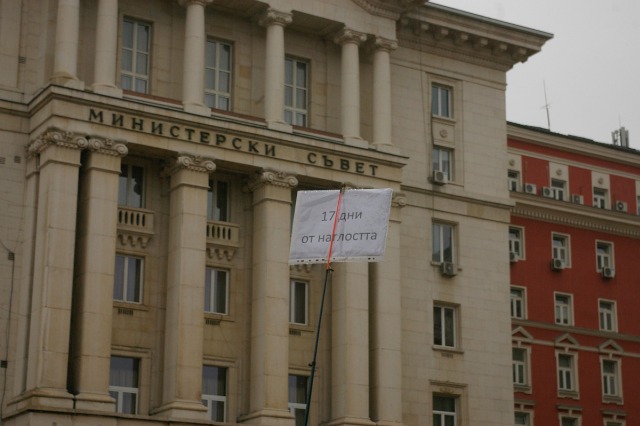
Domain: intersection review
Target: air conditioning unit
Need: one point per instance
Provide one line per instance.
(620, 206)
(547, 192)
(513, 256)
(577, 198)
(439, 178)
(448, 269)
(608, 272)
(530, 188)
(557, 264)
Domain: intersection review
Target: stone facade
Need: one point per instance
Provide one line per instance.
(128, 203)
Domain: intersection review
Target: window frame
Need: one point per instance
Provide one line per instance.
(559, 189)
(562, 252)
(567, 374)
(513, 180)
(563, 312)
(575, 421)
(295, 406)
(294, 109)
(612, 313)
(126, 185)
(124, 278)
(215, 93)
(445, 414)
(606, 259)
(437, 100)
(440, 164)
(444, 333)
(523, 413)
(520, 368)
(293, 299)
(215, 212)
(134, 49)
(522, 300)
(438, 237)
(516, 241)
(120, 390)
(600, 197)
(208, 399)
(608, 378)
(211, 280)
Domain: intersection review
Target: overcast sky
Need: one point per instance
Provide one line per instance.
(591, 67)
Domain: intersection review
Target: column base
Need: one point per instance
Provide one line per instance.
(386, 147)
(351, 421)
(43, 399)
(107, 90)
(95, 402)
(280, 126)
(67, 80)
(269, 417)
(182, 410)
(197, 109)
(356, 141)
(388, 423)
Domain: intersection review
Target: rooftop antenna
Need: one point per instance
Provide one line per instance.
(620, 136)
(546, 105)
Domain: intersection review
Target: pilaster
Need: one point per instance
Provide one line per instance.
(382, 123)
(93, 292)
(275, 21)
(104, 75)
(270, 299)
(184, 325)
(65, 62)
(386, 327)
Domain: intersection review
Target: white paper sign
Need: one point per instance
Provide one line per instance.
(361, 227)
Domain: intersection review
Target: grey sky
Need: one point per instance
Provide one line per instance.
(591, 68)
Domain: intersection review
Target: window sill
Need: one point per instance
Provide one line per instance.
(130, 305)
(612, 400)
(211, 318)
(446, 351)
(522, 388)
(297, 329)
(568, 394)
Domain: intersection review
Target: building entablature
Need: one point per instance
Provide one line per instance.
(469, 38)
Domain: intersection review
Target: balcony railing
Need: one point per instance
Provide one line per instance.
(222, 239)
(135, 226)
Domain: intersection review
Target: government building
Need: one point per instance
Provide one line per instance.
(150, 156)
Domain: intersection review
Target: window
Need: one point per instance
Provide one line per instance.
(604, 255)
(559, 188)
(216, 291)
(610, 378)
(568, 421)
(522, 419)
(131, 186)
(442, 161)
(444, 411)
(444, 326)
(607, 315)
(123, 383)
(299, 300)
(563, 309)
(298, 397)
(515, 241)
(136, 41)
(600, 198)
(441, 101)
(513, 180)
(520, 371)
(517, 303)
(560, 248)
(218, 200)
(217, 75)
(566, 374)
(128, 278)
(442, 242)
(214, 392)
(295, 91)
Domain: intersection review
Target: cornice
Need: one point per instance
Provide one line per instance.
(391, 9)
(578, 216)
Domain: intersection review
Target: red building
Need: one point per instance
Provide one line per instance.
(574, 246)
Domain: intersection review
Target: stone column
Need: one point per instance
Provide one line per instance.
(382, 93)
(106, 49)
(53, 265)
(184, 325)
(386, 328)
(350, 41)
(194, 58)
(275, 22)
(350, 345)
(93, 293)
(65, 61)
(270, 299)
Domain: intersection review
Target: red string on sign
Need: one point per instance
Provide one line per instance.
(333, 232)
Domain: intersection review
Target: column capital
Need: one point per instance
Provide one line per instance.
(347, 35)
(275, 17)
(272, 177)
(57, 137)
(189, 162)
(398, 200)
(187, 3)
(384, 44)
(108, 147)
